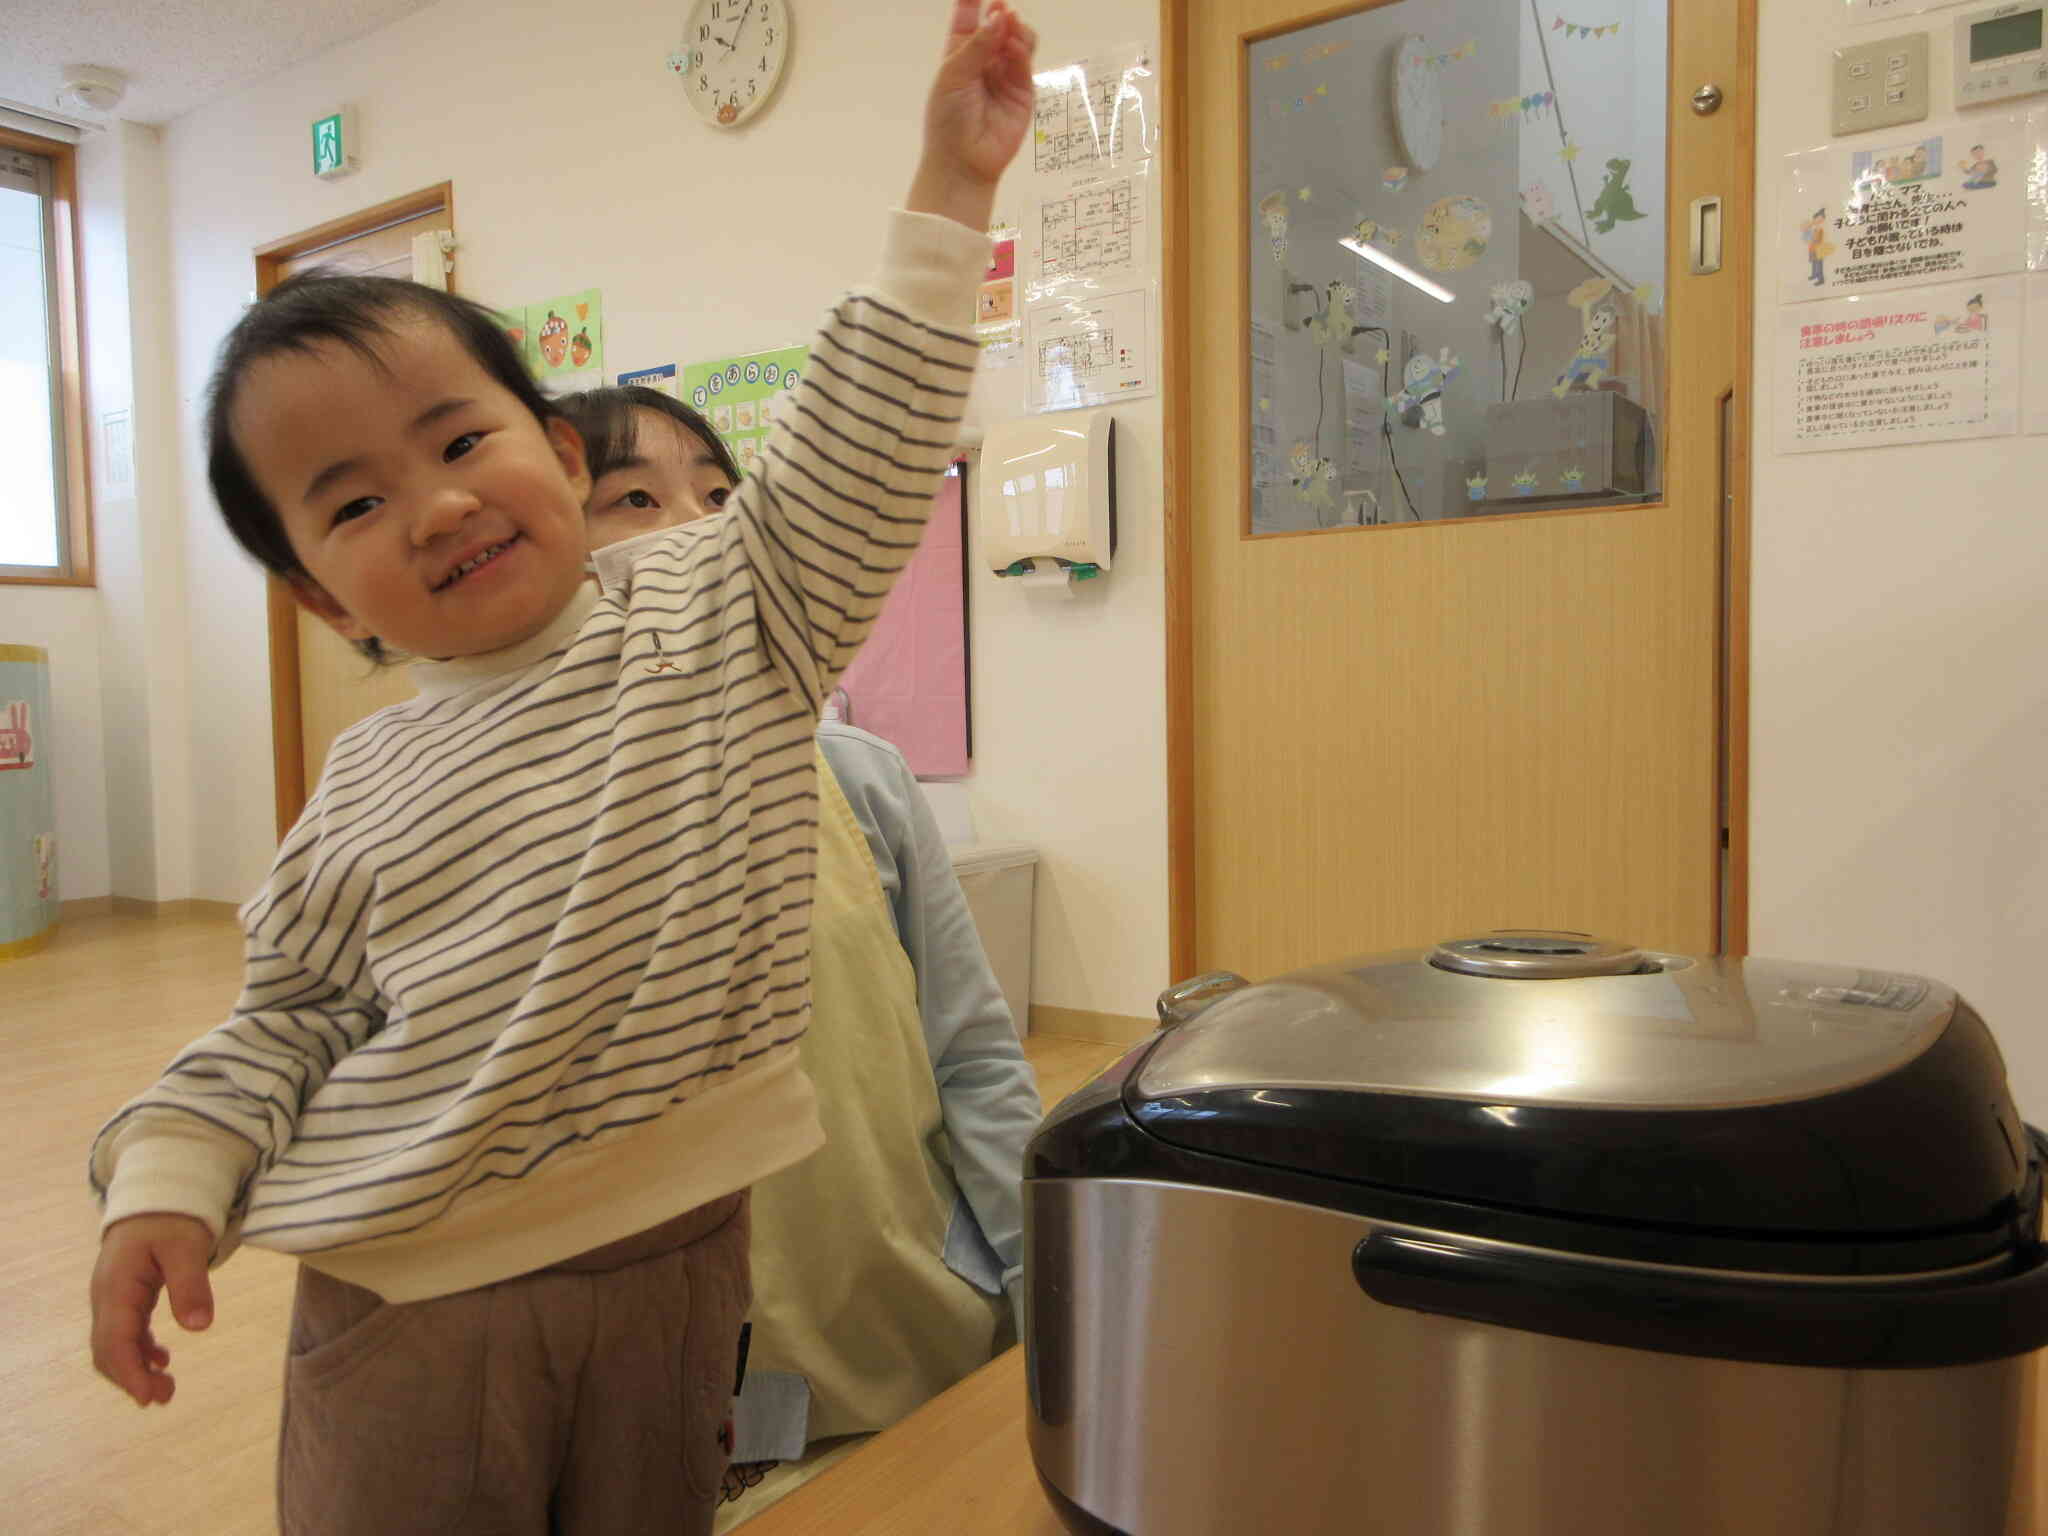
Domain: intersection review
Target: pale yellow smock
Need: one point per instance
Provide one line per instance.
(851, 1290)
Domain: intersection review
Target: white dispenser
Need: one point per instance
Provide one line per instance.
(1048, 495)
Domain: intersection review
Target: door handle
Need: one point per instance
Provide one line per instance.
(1706, 236)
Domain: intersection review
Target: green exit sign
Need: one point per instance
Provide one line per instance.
(334, 143)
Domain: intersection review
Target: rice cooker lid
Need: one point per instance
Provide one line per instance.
(1560, 1073)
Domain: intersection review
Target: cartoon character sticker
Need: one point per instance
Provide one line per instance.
(1594, 359)
(1510, 302)
(1818, 247)
(1615, 204)
(1314, 478)
(1420, 402)
(1525, 483)
(1475, 487)
(1454, 233)
(1394, 177)
(1333, 327)
(17, 739)
(1273, 209)
(1980, 171)
(1972, 319)
(554, 340)
(1537, 203)
(1573, 479)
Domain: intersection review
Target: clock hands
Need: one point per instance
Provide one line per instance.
(733, 46)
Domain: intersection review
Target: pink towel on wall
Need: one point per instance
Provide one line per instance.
(909, 683)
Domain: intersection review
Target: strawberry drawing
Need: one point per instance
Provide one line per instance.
(579, 349)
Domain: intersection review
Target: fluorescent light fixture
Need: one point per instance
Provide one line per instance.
(1408, 275)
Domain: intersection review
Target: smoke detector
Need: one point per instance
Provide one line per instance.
(93, 87)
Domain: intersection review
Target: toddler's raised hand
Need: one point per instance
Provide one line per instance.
(138, 1258)
(977, 114)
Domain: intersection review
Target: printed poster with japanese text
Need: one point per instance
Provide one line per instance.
(1933, 202)
(1928, 366)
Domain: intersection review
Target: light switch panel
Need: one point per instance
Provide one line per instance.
(1881, 84)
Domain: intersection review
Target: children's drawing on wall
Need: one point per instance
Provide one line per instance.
(1971, 319)
(1394, 178)
(1980, 171)
(1615, 204)
(1273, 209)
(1420, 401)
(567, 338)
(1537, 203)
(1454, 233)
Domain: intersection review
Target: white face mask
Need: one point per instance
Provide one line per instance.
(614, 563)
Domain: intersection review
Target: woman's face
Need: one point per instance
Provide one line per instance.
(672, 478)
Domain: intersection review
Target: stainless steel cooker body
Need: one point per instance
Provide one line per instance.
(1206, 1363)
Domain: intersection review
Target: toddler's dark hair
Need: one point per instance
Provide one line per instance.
(300, 313)
(611, 433)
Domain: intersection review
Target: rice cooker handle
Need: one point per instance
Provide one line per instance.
(1827, 1324)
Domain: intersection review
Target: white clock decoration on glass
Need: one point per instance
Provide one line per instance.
(1418, 104)
(732, 58)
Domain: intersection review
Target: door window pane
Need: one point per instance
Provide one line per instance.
(1456, 227)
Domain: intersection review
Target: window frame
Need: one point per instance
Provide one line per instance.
(76, 567)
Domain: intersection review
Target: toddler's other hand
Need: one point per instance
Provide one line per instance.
(138, 1258)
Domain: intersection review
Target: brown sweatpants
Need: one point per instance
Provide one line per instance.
(585, 1398)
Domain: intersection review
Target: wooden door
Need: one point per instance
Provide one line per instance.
(319, 683)
(1387, 730)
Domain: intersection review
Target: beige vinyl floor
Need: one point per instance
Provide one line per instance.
(84, 1025)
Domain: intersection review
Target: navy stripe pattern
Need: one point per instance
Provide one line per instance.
(530, 919)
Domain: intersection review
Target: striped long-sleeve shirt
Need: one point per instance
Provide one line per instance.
(529, 973)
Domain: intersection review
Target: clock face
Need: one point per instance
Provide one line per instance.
(732, 56)
(1418, 104)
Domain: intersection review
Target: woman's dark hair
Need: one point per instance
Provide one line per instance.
(611, 433)
(298, 315)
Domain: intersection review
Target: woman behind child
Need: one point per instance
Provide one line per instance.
(880, 1263)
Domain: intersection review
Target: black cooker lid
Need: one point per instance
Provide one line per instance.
(1750, 1098)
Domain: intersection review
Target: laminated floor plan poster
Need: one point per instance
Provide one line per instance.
(1920, 367)
(1094, 349)
(1926, 203)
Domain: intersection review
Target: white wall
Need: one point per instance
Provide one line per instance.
(576, 163)
(1899, 704)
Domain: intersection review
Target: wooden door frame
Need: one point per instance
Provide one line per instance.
(287, 707)
(1177, 307)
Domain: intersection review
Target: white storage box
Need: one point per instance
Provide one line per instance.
(998, 879)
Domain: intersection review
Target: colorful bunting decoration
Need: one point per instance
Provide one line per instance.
(1527, 107)
(1463, 51)
(1575, 29)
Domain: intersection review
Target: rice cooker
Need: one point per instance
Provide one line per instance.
(1533, 1234)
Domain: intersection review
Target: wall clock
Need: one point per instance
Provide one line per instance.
(733, 56)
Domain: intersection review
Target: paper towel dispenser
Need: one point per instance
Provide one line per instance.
(1048, 495)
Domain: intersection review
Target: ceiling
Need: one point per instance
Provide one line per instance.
(177, 54)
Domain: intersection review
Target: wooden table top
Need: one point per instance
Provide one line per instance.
(961, 1465)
